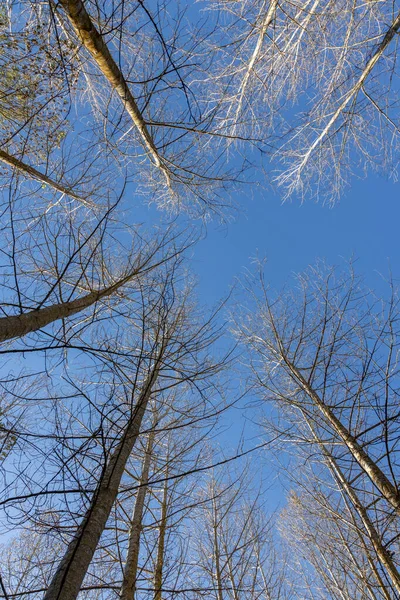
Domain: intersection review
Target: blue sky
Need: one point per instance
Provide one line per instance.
(293, 235)
(364, 225)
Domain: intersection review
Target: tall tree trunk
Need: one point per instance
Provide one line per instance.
(94, 43)
(360, 570)
(72, 569)
(217, 556)
(376, 475)
(373, 535)
(16, 326)
(128, 588)
(33, 173)
(231, 574)
(158, 572)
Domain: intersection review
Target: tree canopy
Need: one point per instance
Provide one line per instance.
(117, 382)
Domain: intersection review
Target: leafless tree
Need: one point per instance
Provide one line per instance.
(109, 379)
(314, 80)
(236, 552)
(325, 527)
(325, 355)
(312, 84)
(163, 344)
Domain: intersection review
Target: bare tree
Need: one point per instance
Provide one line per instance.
(325, 354)
(236, 552)
(169, 349)
(315, 81)
(168, 116)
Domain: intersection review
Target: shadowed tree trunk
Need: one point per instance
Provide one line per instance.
(158, 572)
(128, 588)
(72, 569)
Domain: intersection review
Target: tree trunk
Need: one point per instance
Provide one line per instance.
(158, 572)
(94, 43)
(70, 574)
(218, 574)
(268, 19)
(128, 588)
(375, 474)
(231, 574)
(11, 161)
(16, 326)
(372, 533)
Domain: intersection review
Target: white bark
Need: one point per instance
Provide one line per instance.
(348, 97)
(218, 571)
(269, 17)
(11, 161)
(128, 588)
(94, 43)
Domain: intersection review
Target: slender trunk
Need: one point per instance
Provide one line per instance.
(128, 588)
(94, 43)
(375, 474)
(72, 569)
(217, 553)
(231, 575)
(269, 17)
(266, 583)
(327, 574)
(11, 161)
(360, 570)
(158, 572)
(381, 585)
(16, 326)
(372, 533)
(350, 95)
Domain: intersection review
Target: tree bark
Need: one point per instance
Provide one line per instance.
(158, 572)
(11, 161)
(218, 574)
(17, 326)
(94, 43)
(375, 474)
(128, 588)
(373, 534)
(72, 569)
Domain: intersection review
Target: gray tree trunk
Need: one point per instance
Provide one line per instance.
(72, 569)
(94, 43)
(11, 161)
(128, 588)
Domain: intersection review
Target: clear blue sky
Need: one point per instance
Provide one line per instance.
(363, 225)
